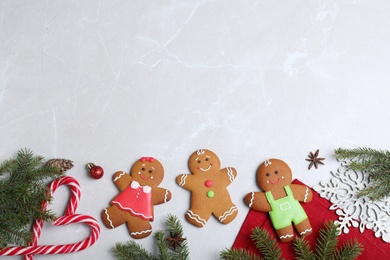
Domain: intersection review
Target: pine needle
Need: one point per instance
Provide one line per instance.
(238, 254)
(266, 244)
(327, 240)
(349, 251)
(375, 163)
(302, 250)
(174, 226)
(131, 251)
(23, 188)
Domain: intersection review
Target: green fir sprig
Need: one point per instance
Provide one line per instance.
(23, 189)
(375, 163)
(326, 247)
(264, 242)
(172, 247)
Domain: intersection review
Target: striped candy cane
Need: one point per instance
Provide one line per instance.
(68, 218)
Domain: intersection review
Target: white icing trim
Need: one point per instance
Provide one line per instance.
(131, 210)
(166, 196)
(252, 198)
(205, 170)
(183, 180)
(119, 176)
(306, 194)
(108, 218)
(200, 151)
(142, 232)
(230, 173)
(267, 162)
(196, 217)
(286, 236)
(304, 232)
(227, 213)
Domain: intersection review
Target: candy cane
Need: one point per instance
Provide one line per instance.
(68, 218)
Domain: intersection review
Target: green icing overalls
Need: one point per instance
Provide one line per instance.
(285, 210)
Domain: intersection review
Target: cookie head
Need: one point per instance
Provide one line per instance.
(147, 171)
(273, 173)
(203, 161)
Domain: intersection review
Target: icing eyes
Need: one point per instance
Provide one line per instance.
(267, 174)
(207, 159)
(199, 161)
(150, 171)
(276, 172)
(143, 169)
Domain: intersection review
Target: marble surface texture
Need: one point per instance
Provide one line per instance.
(111, 81)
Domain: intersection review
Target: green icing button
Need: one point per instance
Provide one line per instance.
(210, 194)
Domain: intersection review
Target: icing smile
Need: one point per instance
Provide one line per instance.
(142, 177)
(275, 181)
(205, 170)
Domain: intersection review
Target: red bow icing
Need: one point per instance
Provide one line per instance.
(149, 159)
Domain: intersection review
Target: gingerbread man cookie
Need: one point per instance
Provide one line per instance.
(281, 199)
(207, 184)
(138, 194)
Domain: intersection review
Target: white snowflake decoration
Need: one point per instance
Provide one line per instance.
(357, 212)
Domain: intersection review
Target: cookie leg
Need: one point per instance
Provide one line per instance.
(197, 218)
(226, 214)
(285, 234)
(304, 228)
(113, 216)
(138, 227)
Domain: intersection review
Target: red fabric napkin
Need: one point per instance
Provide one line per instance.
(318, 213)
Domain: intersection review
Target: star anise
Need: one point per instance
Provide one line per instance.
(314, 159)
(175, 240)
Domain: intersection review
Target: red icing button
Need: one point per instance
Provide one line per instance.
(208, 183)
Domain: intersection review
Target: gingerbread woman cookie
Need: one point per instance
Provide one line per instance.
(139, 192)
(281, 199)
(207, 184)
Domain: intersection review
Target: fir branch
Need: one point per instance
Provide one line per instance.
(302, 250)
(360, 153)
(327, 240)
(349, 251)
(375, 192)
(6, 166)
(375, 163)
(174, 226)
(266, 244)
(162, 246)
(23, 189)
(325, 247)
(238, 254)
(131, 251)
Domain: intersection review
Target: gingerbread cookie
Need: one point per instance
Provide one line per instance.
(138, 194)
(281, 199)
(207, 184)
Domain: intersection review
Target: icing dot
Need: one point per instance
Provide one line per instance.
(208, 183)
(210, 194)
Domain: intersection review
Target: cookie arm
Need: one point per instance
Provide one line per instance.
(302, 193)
(228, 175)
(257, 201)
(185, 181)
(122, 180)
(161, 195)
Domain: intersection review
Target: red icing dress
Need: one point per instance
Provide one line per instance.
(137, 200)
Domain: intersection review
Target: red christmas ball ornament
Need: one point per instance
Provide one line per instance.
(95, 171)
